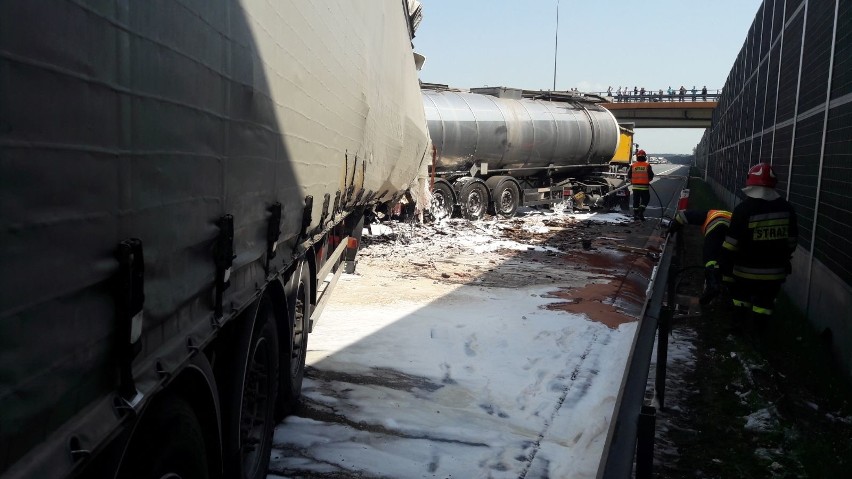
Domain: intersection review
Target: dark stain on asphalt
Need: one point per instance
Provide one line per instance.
(377, 377)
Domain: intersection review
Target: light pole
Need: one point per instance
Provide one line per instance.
(555, 45)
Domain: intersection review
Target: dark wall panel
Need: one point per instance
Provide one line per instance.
(760, 96)
(833, 244)
(778, 20)
(781, 156)
(805, 171)
(792, 5)
(790, 69)
(771, 86)
(749, 51)
(816, 54)
(841, 82)
(766, 35)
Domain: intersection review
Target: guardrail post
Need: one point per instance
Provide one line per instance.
(645, 443)
(664, 324)
(663, 330)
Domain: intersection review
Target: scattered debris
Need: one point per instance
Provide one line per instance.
(763, 420)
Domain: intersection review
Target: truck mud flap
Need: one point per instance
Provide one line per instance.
(327, 278)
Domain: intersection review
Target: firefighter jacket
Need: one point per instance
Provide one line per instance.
(640, 175)
(714, 227)
(709, 220)
(760, 240)
(716, 219)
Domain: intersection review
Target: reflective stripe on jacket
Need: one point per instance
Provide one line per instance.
(761, 237)
(714, 219)
(764, 274)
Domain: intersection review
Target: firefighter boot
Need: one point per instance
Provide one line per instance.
(712, 286)
(739, 320)
(760, 324)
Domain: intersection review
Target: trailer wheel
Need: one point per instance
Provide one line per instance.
(474, 200)
(442, 201)
(169, 443)
(506, 199)
(250, 391)
(293, 356)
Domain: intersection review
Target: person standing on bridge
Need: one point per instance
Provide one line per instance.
(704, 92)
(640, 175)
(758, 248)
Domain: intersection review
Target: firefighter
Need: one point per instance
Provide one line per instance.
(759, 246)
(640, 176)
(714, 227)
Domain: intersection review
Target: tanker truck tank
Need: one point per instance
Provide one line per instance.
(507, 150)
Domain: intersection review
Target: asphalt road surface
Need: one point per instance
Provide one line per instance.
(666, 186)
(485, 349)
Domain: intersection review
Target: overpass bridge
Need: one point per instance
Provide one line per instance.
(645, 110)
(663, 111)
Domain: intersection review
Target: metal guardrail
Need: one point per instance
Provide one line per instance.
(631, 435)
(625, 432)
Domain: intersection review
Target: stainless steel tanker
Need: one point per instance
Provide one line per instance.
(504, 148)
(181, 184)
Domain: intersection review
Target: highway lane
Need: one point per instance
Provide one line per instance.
(485, 349)
(669, 179)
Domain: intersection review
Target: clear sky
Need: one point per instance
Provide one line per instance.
(602, 43)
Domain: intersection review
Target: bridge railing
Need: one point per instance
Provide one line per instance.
(649, 97)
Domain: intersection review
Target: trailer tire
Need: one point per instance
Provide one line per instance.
(249, 394)
(474, 200)
(299, 311)
(169, 443)
(507, 199)
(442, 201)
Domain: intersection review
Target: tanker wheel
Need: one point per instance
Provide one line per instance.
(293, 357)
(249, 393)
(169, 443)
(507, 198)
(474, 200)
(442, 201)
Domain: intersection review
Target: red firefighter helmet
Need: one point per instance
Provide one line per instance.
(640, 153)
(761, 174)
